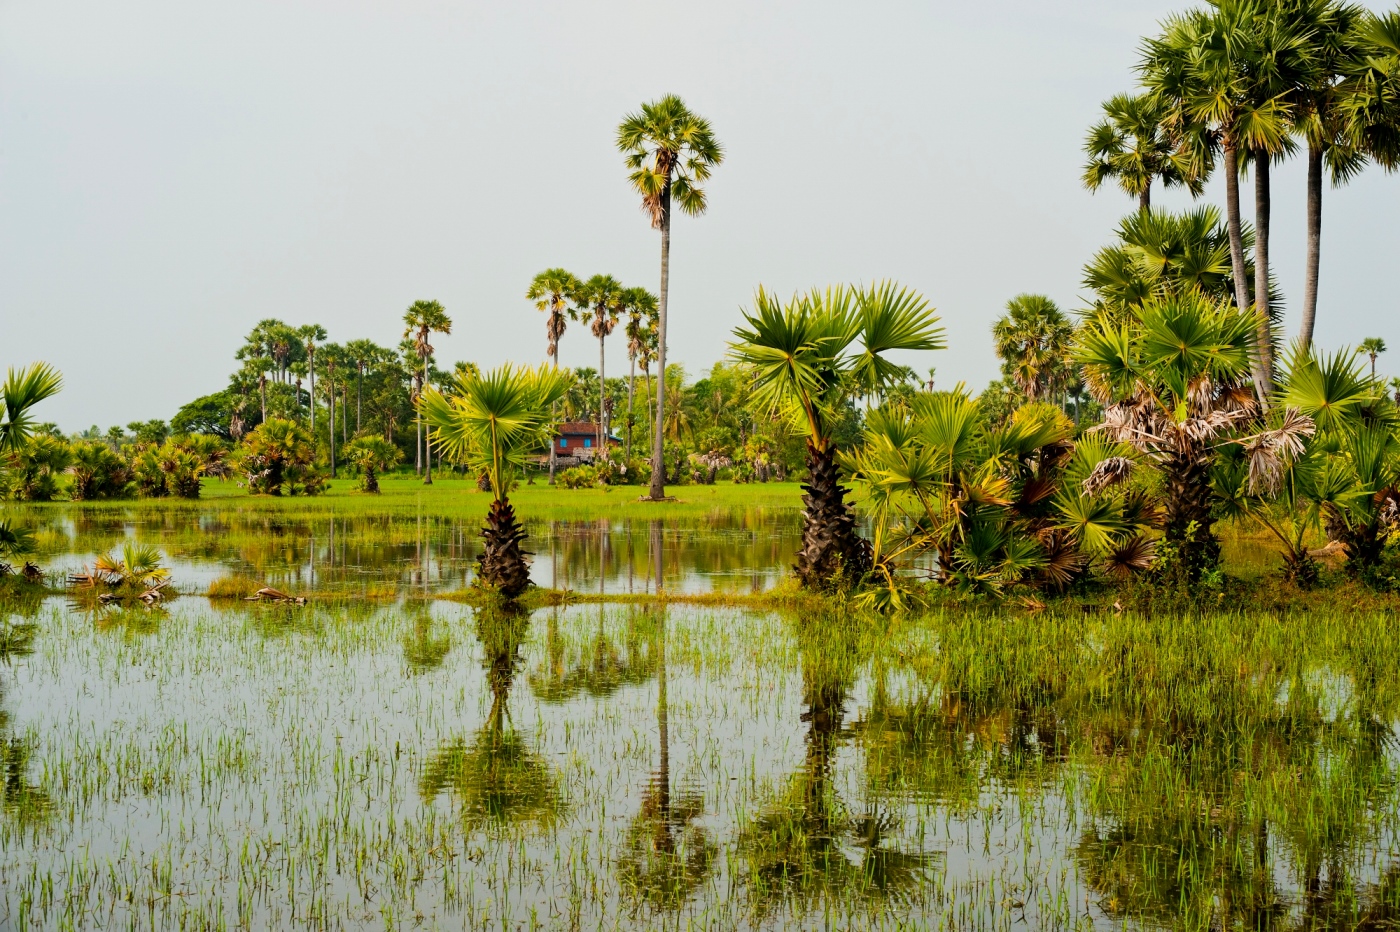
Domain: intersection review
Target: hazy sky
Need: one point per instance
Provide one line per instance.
(170, 173)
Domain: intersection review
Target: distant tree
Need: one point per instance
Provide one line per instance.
(421, 321)
(1372, 347)
(599, 302)
(310, 335)
(1032, 338)
(552, 290)
(641, 309)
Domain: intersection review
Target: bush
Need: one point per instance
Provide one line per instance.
(233, 587)
(32, 474)
(371, 454)
(579, 477)
(97, 473)
(276, 456)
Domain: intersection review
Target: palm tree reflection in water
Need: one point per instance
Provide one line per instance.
(499, 780)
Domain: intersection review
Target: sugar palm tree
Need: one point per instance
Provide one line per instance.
(670, 152)
(1172, 382)
(1131, 146)
(1032, 338)
(422, 320)
(1372, 347)
(21, 391)
(491, 422)
(1204, 69)
(599, 302)
(552, 290)
(809, 358)
(310, 335)
(1322, 121)
(640, 307)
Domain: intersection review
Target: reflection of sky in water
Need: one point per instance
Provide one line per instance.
(747, 552)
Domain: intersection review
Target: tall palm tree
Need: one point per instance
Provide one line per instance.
(421, 320)
(599, 303)
(552, 290)
(310, 335)
(804, 359)
(334, 362)
(1322, 121)
(361, 354)
(640, 307)
(1203, 71)
(670, 152)
(1032, 338)
(21, 391)
(491, 422)
(1131, 146)
(1372, 347)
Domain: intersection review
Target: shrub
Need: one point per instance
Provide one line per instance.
(97, 473)
(32, 474)
(371, 454)
(233, 587)
(276, 455)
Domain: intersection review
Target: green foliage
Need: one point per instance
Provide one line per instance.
(812, 356)
(371, 455)
(208, 414)
(1033, 339)
(21, 391)
(493, 421)
(97, 472)
(35, 470)
(278, 457)
(132, 564)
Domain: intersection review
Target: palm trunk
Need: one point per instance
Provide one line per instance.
(331, 433)
(262, 389)
(359, 394)
(833, 553)
(1189, 521)
(602, 397)
(1262, 210)
(1145, 199)
(427, 440)
(1237, 266)
(631, 398)
(658, 439)
(344, 414)
(502, 565)
(311, 401)
(1305, 333)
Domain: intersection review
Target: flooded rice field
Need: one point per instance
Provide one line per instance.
(385, 758)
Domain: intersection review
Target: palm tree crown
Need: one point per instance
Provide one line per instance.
(1032, 338)
(670, 151)
(551, 290)
(1131, 146)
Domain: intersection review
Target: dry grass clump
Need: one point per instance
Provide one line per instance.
(233, 587)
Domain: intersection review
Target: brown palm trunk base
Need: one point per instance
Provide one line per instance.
(1189, 523)
(503, 565)
(833, 554)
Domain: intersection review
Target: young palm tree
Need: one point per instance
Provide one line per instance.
(670, 152)
(552, 290)
(1372, 347)
(805, 362)
(491, 423)
(1131, 147)
(1172, 382)
(1032, 338)
(422, 320)
(372, 454)
(599, 303)
(310, 335)
(640, 307)
(22, 390)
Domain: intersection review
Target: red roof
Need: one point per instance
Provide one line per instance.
(578, 427)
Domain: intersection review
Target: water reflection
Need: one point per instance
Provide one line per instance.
(384, 554)
(666, 855)
(499, 780)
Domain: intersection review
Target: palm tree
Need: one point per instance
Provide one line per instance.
(421, 320)
(599, 303)
(491, 423)
(1322, 121)
(803, 361)
(1032, 338)
(640, 307)
(670, 152)
(1372, 347)
(1131, 146)
(333, 363)
(552, 290)
(1172, 382)
(1204, 70)
(22, 390)
(311, 334)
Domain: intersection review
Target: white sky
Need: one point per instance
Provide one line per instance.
(171, 172)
